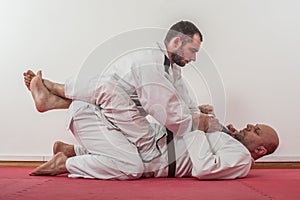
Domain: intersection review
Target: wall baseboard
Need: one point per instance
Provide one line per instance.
(276, 165)
(25, 157)
(279, 158)
(21, 163)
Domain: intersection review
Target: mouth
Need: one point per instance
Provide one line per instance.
(185, 62)
(237, 133)
(242, 132)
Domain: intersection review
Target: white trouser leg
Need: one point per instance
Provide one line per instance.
(80, 150)
(119, 109)
(111, 155)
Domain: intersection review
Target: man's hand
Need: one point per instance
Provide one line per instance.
(203, 122)
(207, 124)
(206, 109)
(231, 129)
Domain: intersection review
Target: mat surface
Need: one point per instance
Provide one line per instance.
(261, 184)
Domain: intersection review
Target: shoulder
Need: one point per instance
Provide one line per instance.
(146, 56)
(220, 140)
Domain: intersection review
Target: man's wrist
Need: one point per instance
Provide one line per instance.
(203, 122)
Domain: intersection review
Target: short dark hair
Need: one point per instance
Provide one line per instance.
(185, 28)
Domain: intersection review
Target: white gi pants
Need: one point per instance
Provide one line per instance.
(120, 110)
(105, 153)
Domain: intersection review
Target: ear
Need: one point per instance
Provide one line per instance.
(175, 43)
(261, 151)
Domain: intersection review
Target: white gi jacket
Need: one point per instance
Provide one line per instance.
(204, 156)
(140, 75)
(105, 153)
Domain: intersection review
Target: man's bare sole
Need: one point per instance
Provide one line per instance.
(67, 149)
(45, 100)
(55, 166)
(40, 93)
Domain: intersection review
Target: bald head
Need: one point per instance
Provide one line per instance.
(259, 139)
(271, 140)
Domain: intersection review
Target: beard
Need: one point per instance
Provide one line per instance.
(239, 138)
(178, 59)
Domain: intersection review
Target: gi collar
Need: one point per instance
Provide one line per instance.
(167, 62)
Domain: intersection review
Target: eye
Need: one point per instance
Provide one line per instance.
(257, 131)
(193, 50)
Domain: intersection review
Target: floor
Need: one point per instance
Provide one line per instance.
(261, 184)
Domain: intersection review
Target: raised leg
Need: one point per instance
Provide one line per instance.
(45, 100)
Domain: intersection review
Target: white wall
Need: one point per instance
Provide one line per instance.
(253, 44)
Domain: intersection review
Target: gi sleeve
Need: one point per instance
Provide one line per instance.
(182, 88)
(229, 160)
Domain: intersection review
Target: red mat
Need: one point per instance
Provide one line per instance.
(261, 184)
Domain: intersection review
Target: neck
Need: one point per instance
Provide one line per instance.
(255, 156)
(170, 57)
(169, 52)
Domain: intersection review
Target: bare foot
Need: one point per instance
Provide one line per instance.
(67, 149)
(45, 100)
(28, 76)
(40, 93)
(55, 166)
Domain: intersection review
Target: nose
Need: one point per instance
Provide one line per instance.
(193, 58)
(249, 127)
